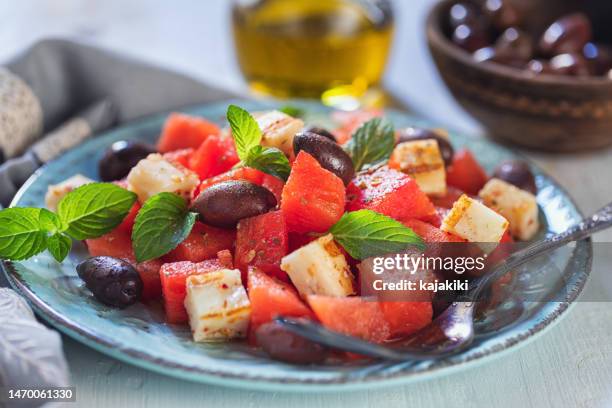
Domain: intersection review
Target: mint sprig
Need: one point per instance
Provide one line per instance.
(94, 209)
(247, 138)
(366, 233)
(162, 223)
(87, 212)
(372, 143)
(245, 130)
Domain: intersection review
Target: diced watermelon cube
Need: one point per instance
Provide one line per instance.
(389, 192)
(354, 316)
(262, 241)
(313, 198)
(406, 318)
(465, 173)
(118, 244)
(183, 131)
(213, 157)
(173, 281)
(271, 298)
(180, 157)
(202, 243)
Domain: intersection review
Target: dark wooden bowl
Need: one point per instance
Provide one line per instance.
(546, 112)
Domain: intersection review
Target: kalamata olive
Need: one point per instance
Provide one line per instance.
(569, 34)
(569, 64)
(112, 281)
(119, 159)
(502, 14)
(539, 67)
(514, 44)
(490, 54)
(224, 204)
(320, 131)
(471, 37)
(516, 172)
(410, 134)
(463, 13)
(281, 344)
(599, 58)
(329, 154)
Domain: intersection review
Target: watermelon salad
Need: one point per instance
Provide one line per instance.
(265, 201)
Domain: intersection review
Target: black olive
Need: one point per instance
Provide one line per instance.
(119, 159)
(320, 131)
(516, 172)
(599, 57)
(224, 204)
(281, 344)
(502, 14)
(514, 45)
(410, 134)
(464, 13)
(569, 34)
(329, 154)
(112, 281)
(569, 64)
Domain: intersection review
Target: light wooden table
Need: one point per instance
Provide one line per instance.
(570, 366)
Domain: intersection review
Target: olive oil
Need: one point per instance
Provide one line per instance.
(330, 49)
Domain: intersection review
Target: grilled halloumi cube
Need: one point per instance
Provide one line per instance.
(474, 221)
(56, 192)
(518, 206)
(422, 160)
(278, 130)
(319, 268)
(155, 175)
(217, 305)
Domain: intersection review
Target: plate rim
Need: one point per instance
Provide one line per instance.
(249, 381)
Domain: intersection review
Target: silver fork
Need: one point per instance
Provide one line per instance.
(453, 330)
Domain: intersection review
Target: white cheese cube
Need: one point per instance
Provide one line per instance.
(278, 130)
(474, 221)
(156, 175)
(319, 268)
(56, 192)
(518, 206)
(217, 305)
(422, 160)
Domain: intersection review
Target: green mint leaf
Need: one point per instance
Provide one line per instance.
(293, 111)
(245, 130)
(366, 233)
(24, 231)
(94, 209)
(163, 222)
(59, 246)
(371, 143)
(269, 160)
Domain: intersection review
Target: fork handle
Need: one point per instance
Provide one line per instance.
(599, 221)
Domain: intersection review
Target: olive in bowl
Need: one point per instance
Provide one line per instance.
(544, 112)
(119, 159)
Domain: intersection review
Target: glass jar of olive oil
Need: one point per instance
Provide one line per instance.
(335, 50)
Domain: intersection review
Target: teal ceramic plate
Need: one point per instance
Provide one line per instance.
(138, 335)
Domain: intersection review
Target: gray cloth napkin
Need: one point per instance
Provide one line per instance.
(55, 95)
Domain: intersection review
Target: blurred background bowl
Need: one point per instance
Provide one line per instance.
(550, 113)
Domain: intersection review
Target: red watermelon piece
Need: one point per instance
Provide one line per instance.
(183, 131)
(353, 316)
(465, 173)
(406, 318)
(271, 298)
(313, 198)
(180, 157)
(213, 157)
(391, 193)
(262, 241)
(202, 243)
(242, 173)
